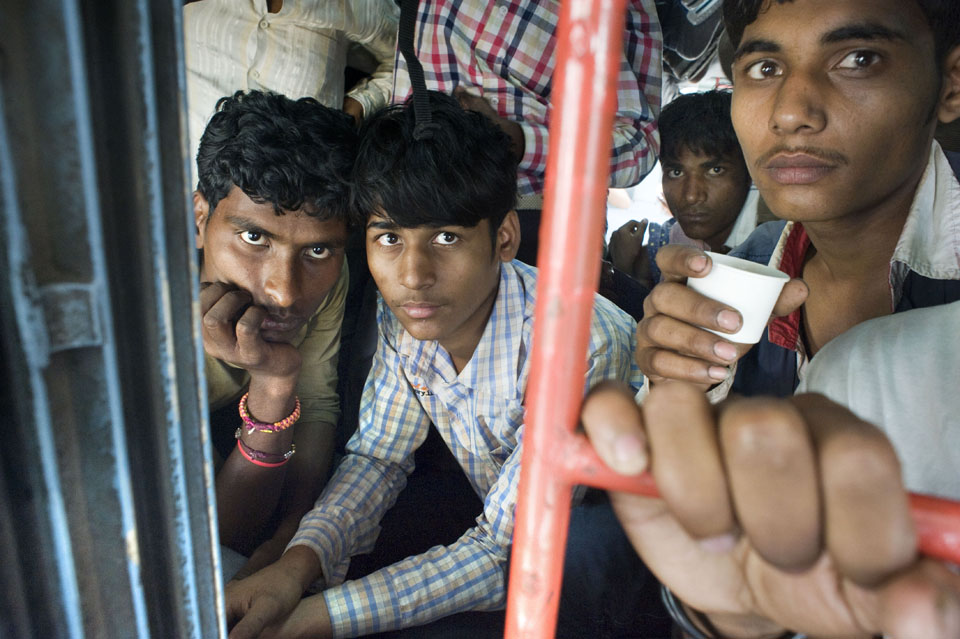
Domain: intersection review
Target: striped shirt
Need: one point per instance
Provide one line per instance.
(504, 51)
(300, 51)
(479, 414)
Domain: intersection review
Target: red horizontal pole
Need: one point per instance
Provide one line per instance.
(937, 521)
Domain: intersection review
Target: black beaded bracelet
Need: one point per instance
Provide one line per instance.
(680, 617)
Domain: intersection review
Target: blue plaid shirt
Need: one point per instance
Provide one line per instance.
(479, 413)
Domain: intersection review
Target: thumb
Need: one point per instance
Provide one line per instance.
(792, 297)
(642, 228)
(924, 600)
(251, 625)
(614, 425)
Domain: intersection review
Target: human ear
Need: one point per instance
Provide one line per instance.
(201, 213)
(508, 237)
(949, 107)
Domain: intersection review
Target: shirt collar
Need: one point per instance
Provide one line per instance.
(929, 244)
(496, 363)
(746, 220)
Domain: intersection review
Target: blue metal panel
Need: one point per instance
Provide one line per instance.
(106, 494)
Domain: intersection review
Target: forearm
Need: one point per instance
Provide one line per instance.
(248, 493)
(308, 470)
(305, 478)
(301, 564)
(443, 581)
(346, 520)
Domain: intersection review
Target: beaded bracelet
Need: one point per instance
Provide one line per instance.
(260, 458)
(264, 427)
(679, 616)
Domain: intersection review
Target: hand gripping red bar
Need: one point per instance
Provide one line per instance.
(937, 520)
(554, 458)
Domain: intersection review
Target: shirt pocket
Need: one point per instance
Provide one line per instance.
(498, 420)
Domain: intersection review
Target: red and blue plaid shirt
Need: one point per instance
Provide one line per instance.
(504, 51)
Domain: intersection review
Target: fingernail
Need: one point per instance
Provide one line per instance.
(697, 263)
(725, 350)
(629, 453)
(729, 320)
(719, 544)
(718, 373)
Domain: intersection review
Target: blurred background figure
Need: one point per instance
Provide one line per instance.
(705, 185)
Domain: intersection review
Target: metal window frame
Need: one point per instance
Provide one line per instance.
(106, 490)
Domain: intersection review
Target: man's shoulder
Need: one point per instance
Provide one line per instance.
(606, 314)
(329, 315)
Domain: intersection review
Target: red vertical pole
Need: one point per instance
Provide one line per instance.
(554, 458)
(589, 38)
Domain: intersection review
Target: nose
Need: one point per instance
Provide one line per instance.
(694, 189)
(282, 283)
(798, 105)
(416, 268)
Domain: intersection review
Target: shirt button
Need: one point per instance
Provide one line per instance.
(255, 73)
(264, 24)
(503, 11)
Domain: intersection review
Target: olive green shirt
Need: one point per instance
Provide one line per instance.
(319, 345)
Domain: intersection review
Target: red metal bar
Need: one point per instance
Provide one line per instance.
(584, 98)
(554, 458)
(937, 520)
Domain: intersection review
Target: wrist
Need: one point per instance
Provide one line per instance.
(270, 399)
(301, 564)
(740, 627)
(698, 625)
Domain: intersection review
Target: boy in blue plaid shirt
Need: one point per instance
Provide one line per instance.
(454, 319)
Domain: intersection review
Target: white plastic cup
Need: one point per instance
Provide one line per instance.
(749, 287)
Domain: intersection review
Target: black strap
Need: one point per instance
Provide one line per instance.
(421, 103)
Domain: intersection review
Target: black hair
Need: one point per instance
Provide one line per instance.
(943, 16)
(700, 123)
(295, 154)
(463, 173)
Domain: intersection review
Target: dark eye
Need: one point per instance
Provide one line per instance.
(762, 69)
(253, 237)
(319, 252)
(674, 173)
(388, 239)
(446, 238)
(717, 170)
(859, 59)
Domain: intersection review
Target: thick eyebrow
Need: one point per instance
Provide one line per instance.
(249, 226)
(712, 162)
(755, 46)
(858, 31)
(382, 225)
(862, 31)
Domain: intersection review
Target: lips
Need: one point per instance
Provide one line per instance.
(419, 310)
(693, 217)
(798, 168)
(274, 324)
